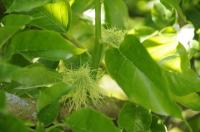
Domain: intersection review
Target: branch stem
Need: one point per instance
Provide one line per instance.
(98, 47)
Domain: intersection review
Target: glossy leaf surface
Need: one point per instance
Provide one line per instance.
(140, 77)
(45, 44)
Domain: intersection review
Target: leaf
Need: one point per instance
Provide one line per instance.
(161, 16)
(49, 113)
(173, 58)
(112, 13)
(79, 6)
(6, 33)
(134, 118)
(25, 5)
(183, 83)
(53, 16)
(194, 122)
(6, 72)
(9, 123)
(45, 44)
(2, 100)
(187, 81)
(48, 102)
(185, 61)
(140, 77)
(40, 127)
(16, 20)
(157, 125)
(174, 4)
(7, 3)
(190, 101)
(28, 77)
(88, 120)
(193, 14)
(12, 23)
(36, 76)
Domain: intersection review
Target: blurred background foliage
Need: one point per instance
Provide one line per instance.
(169, 30)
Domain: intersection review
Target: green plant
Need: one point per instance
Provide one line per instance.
(64, 64)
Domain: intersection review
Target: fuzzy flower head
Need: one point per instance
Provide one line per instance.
(85, 90)
(113, 36)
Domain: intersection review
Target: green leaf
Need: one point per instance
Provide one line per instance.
(187, 81)
(193, 14)
(194, 122)
(36, 76)
(190, 101)
(25, 5)
(7, 3)
(183, 83)
(9, 123)
(16, 20)
(53, 16)
(161, 16)
(40, 127)
(12, 23)
(88, 120)
(7, 71)
(173, 58)
(140, 77)
(48, 114)
(6, 33)
(2, 100)
(134, 118)
(174, 4)
(79, 6)
(54, 129)
(28, 77)
(48, 102)
(157, 125)
(185, 62)
(114, 11)
(44, 44)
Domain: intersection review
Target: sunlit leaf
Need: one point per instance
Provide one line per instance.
(162, 49)
(140, 77)
(53, 16)
(173, 58)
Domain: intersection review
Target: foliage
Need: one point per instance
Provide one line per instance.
(54, 54)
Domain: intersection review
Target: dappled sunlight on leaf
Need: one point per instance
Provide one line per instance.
(59, 10)
(111, 88)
